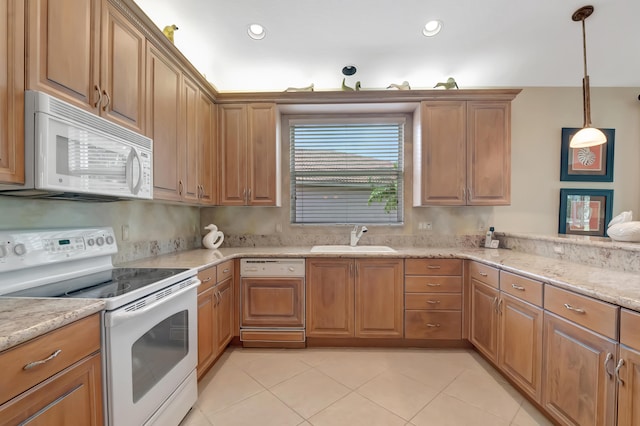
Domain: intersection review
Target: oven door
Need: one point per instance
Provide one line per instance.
(149, 351)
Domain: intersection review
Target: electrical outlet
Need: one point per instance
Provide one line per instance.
(482, 227)
(428, 226)
(125, 232)
(278, 227)
(558, 249)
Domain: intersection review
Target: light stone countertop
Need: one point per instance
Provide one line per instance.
(621, 288)
(24, 318)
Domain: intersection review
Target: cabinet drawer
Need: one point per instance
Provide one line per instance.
(630, 329)
(598, 316)
(433, 325)
(433, 301)
(74, 341)
(433, 267)
(416, 284)
(207, 278)
(225, 270)
(484, 273)
(523, 288)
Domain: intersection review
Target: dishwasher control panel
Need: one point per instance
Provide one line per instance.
(269, 267)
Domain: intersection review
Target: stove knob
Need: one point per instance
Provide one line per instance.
(19, 249)
(109, 239)
(90, 242)
(100, 241)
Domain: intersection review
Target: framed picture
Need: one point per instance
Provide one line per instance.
(592, 164)
(585, 211)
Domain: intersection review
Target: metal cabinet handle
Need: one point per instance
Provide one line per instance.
(517, 287)
(433, 302)
(500, 306)
(433, 266)
(206, 280)
(433, 285)
(217, 294)
(42, 361)
(469, 194)
(608, 358)
(483, 274)
(495, 304)
(99, 101)
(244, 195)
(108, 98)
(180, 187)
(618, 367)
(577, 310)
(224, 271)
(249, 195)
(433, 325)
(464, 194)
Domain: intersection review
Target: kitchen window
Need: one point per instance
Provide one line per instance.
(347, 171)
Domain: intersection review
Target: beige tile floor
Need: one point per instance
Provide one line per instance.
(351, 387)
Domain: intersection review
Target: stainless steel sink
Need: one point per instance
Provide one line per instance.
(351, 249)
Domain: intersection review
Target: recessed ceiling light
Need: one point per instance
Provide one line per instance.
(432, 28)
(256, 31)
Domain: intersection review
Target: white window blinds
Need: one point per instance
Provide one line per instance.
(347, 173)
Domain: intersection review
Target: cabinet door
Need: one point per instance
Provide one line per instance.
(233, 155)
(629, 388)
(63, 50)
(578, 385)
(262, 155)
(443, 162)
(379, 296)
(330, 297)
(488, 153)
(484, 319)
(188, 145)
(163, 100)
(224, 314)
(207, 144)
(206, 330)
(12, 56)
(520, 353)
(272, 302)
(122, 70)
(71, 397)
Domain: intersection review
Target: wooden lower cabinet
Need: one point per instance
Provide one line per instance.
(628, 374)
(224, 314)
(520, 344)
(71, 397)
(578, 379)
(206, 331)
(355, 298)
(483, 329)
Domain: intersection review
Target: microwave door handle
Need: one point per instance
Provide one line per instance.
(133, 155)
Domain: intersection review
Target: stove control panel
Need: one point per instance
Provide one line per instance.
(20, 249)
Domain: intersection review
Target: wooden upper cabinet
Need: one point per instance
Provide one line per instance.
(207, 145)
(488, 153)
(88, 53)
(163, 115)
(464, 157)
(12, 52)
(443, 161)
(122, 74)
(249, 158)
(188, 161)
(63, 51)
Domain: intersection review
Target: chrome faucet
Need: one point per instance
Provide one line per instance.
(356, 235)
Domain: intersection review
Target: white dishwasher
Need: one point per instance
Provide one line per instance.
(272, 302)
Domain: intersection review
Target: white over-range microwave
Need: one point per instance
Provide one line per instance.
(73, 154)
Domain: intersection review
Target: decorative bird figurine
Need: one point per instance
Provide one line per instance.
(449, 84)
(169, 30)
(403, 86)
(345, 87)
(358, 86)
(308, 88)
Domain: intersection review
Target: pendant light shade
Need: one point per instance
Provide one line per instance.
(587, 136)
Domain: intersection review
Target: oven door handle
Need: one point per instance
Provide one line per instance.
(121, 315)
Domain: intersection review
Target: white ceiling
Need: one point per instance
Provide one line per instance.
(484, 43)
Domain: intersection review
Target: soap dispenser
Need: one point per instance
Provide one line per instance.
(214, 238)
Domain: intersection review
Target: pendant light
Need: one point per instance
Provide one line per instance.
(587, 136)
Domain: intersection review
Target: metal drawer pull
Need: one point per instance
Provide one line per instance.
(433, 302)
(618, 367)
(606, 364)
(37, 363)
(495, 304)
(517, 287)
(484, 274)
(577, 310)
(433, 284)
(224, 271)
(433, 325)
(206, 280)
(433, 266)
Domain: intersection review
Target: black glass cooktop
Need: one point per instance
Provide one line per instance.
(122, 281)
